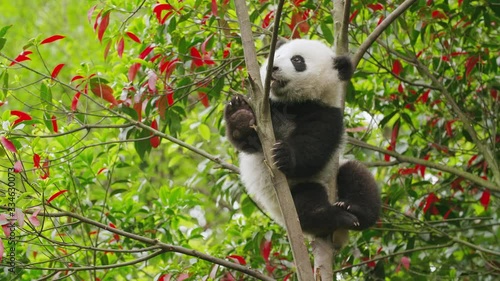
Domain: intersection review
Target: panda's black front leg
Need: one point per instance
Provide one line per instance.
(240, 129)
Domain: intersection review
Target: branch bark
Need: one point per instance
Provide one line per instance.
(163, 247)
(260, 103)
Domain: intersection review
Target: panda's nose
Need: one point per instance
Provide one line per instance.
(275, 68)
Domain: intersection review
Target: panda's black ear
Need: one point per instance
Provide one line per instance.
(280, 43)
(344, 66)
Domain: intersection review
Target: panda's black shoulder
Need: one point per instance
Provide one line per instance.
(306, 109)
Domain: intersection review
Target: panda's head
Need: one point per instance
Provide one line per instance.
(306, 70)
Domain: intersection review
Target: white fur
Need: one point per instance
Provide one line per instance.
(318, 82)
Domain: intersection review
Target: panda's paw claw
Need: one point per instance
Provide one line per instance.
(282, 156)
(342, 204)
(239, 117)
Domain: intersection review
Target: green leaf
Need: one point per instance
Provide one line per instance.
(142, 146)
(2, 43)
(4, 30)
(247, 206)
(327, 33)
(204, 131)
(46, 95)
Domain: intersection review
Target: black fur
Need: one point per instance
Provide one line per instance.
(307, 136)
(344, 66)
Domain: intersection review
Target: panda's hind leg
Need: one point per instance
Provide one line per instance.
(358, 193)
(316, 215)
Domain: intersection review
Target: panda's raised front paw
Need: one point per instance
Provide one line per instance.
(283, 157)
(239, 117)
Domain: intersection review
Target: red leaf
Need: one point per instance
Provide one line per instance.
(21, 57)
(133, 37)
(196, 56)
(76, 77)
(56, 70)
(397, 67)
(429, 202)
(449, 130)
(106, 49)
(103, 25)
(353, 15)
(34, 220)
(405, 261)
(74, 101)
(132, 71)
(163, 102)
(54, 124)
(120, 47)
(267, 19)
(227, 50)
(214, 8)
(380, 20)
(168, 67)
(469, 64)
(155, 140)
(97, 20)
(165, 277)
(424, 97)
(376, 7)
(22, 116)
(52, 39)
(471, 160)
(485, 199)
(90, 12)
(238, 259)
(204, 99)
(103, 91)
(18, 166)
(407, 171)
(101, 170)
(146, 52)
(57, 194)
(265, 250)
(152, 81)
(422, 168)
(158, 9)
(401, 89)
(387, 157)
(7, 144)
(438, 15)
(36, 160)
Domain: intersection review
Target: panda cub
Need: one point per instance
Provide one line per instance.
(309, 130)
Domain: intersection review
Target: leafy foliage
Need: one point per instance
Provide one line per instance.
(113, 140)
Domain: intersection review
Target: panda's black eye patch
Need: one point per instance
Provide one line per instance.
(299, 63)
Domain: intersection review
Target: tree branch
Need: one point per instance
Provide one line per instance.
(260, 103)
(408, 159)
(153, 242)
(484, 149)
(379, 29)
